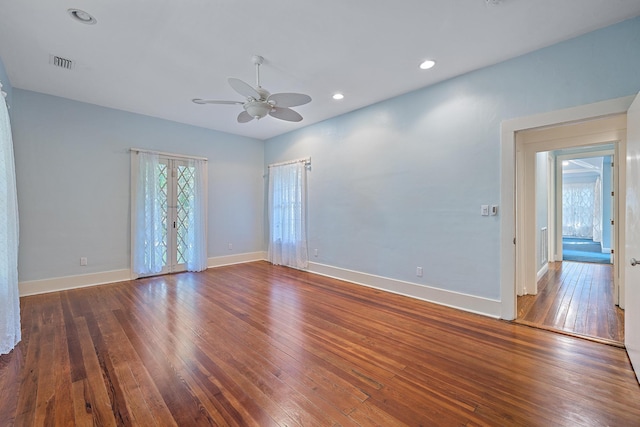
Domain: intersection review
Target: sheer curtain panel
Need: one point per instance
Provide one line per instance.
(287, 215)
(169, 213)
(9, 293)
(597, 211)
(580, 210)
(197, 230)
(148, 245)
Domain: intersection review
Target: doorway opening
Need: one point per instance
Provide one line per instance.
(566, 206)
(587, 203)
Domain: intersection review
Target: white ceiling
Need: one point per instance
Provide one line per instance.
(586, 165)
(153, 57)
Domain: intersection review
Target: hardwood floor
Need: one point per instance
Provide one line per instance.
(258, 345)
(578, 298)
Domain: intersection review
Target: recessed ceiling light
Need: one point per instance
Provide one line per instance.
(82, 16)
(429, 63)
(338, 96)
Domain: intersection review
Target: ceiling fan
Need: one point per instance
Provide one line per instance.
(259, 102)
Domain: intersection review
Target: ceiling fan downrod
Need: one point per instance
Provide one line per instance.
(257, 60)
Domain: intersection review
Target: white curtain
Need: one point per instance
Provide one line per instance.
(148, 246)
(9, 294)
(197, 230)
(287, 215)
(597, 211)
(581, 210)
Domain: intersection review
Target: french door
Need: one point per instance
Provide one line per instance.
(168, 214)
(176, 181)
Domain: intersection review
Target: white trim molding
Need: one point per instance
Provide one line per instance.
(474, 304)
(35, 287)
(221, 261)
(542, 271)
(43, 286)
(471, 303)
(509, 129)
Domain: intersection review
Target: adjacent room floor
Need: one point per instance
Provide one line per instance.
(260, 345)
(583, 250)
(576, 298)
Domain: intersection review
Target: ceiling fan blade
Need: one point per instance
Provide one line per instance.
(244, 117)
(289, 99)
(285, 114)
(243, 88)
(213, 101)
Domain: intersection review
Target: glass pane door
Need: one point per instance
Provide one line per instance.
(183, 187)
(176, 182)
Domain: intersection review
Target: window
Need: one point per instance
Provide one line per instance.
(287, 214)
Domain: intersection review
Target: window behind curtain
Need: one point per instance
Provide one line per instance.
(287, 215)
(581, 210)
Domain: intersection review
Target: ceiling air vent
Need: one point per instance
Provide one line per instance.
(61, 62)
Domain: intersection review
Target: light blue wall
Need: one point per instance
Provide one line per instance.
(399, 184)
(73, 174)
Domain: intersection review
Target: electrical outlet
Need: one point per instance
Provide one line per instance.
(83, 261)
(230, 246)
(484, 210)
(315, 252)
(419, 271)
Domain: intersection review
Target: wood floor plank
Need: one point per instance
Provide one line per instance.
(92, 405)
(143, 400)
(260, 345)
(576, 298)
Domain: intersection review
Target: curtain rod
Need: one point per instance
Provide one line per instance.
(172, 155)
(307, 162)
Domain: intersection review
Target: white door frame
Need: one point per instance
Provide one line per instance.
(591, 134)
(509, 130)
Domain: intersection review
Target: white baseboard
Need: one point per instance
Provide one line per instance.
(485, 306)
(236, 259)
(44, 286)
(543, 271)
(474, 304)
(55, 284)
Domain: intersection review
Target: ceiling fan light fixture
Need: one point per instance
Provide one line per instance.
(429, 63)
(257, 109)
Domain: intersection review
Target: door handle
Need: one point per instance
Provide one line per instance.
(634, 262)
